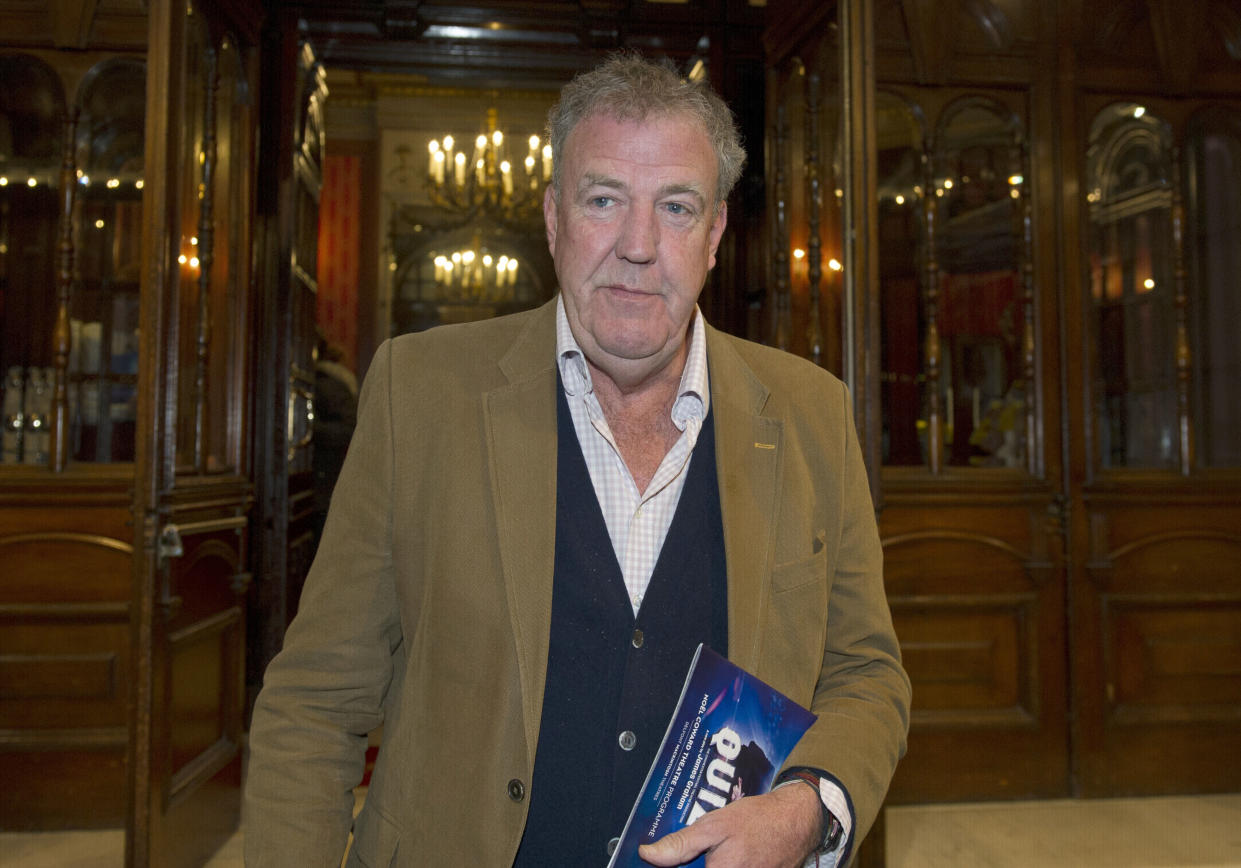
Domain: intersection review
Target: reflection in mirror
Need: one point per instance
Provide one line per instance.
(978, 176)
(229, 263)
(1133, 372)
(1214, 164)
(200, 81)
(465, 275)
(900, 147)
(103, 360)
(32, 120)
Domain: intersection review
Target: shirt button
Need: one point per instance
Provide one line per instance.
(638, 639)
(627, 740)
(612, 845)
(516, 790)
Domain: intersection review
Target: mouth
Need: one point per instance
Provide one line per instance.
(622, 290)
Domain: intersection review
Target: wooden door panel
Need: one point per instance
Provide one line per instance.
(64, 653)
(978, 607)
(1159, 658)
(193, 494)
(1172, 661)
(971, 658)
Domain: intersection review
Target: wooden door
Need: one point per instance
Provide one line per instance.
(1051, 338)
(193, 489)
(288, 224)
(949, 343)
(1155, 434)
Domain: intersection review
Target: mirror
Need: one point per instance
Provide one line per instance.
(978, 172)
(1214, 255)
(900, 135)
(1133, 323)
(32, 119)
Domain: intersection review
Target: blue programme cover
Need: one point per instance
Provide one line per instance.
(728, 737)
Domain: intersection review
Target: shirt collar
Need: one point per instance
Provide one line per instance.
(693, 395)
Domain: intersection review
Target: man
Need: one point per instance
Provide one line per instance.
(540, 517)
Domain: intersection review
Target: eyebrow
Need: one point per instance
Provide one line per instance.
(592, 180)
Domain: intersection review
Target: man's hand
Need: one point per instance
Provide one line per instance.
(776, 830)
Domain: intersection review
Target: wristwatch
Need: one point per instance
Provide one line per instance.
(832, 828)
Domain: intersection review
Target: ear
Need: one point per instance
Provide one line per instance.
(717, 232)
(549, 217)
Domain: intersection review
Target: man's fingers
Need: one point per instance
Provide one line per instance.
(676, 848)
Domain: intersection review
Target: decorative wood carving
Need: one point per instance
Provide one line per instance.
(1184, 353)
(929, 27)
(61, 335)
(993, 22)
(206, 255)
(72, 21)
(814, 207)
(782, 324)
(1176, 26)
(1029, 372)
(931, 350)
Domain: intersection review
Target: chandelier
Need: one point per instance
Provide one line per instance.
(475, 275)
(490, 180)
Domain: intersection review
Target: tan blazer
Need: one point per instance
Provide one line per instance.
(428, 607)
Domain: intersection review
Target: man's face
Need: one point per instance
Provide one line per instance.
(633, 233)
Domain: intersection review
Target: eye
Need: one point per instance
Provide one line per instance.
(600, 201)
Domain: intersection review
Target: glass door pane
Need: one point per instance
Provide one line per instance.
(1214, 251)
(978, 178)
(1132, 296)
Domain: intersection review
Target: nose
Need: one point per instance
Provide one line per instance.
(639, 236)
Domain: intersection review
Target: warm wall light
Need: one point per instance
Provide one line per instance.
(798, 253)
(834, 264)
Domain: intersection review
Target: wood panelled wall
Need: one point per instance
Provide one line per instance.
(1070, 612)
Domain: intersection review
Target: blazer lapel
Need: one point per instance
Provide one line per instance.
(748, 455)
(520, 419)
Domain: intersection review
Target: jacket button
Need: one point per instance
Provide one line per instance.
(516, 790)
(627, 740)
(612, 845)
(638, 639)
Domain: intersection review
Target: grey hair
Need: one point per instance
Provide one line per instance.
(628, 87)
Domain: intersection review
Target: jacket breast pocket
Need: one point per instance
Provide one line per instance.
(375, 839)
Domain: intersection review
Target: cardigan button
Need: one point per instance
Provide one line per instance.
(638, 639)
(627, 740)
(516, 790)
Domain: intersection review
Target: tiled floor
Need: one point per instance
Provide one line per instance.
(1183, 832)
(1187, 832)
